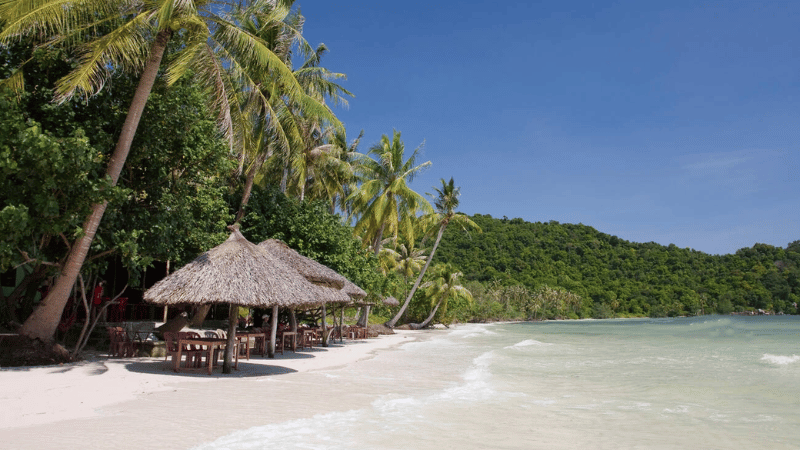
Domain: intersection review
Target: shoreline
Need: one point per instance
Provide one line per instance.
(141, 401)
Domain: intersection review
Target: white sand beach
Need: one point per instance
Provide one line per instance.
(140, 403)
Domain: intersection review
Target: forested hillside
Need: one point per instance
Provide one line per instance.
(616, 277)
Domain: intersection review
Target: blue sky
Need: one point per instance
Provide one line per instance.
(674, 122)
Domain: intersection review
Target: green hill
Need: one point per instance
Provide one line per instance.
(615, 276)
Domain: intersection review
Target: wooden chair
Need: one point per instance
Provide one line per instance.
(286, 340)
(217, 353)
(194, 353)
(245, 344)
(260, 341)
(356, 332)
(316, 336)
(120, 345)
(171, 341)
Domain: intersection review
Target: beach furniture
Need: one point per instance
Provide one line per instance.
(201, 353)
(287, 340)
(120, 345)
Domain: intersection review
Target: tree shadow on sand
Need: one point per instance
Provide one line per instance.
(253, 368)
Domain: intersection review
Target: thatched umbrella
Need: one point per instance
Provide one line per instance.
(236, 272)
(391, 301)
(355, 292)
(328, 280)
(310, 269)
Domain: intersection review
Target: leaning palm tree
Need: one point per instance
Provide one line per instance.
(446, 203)
(444, 286)
(133, 35)
(409, 261)
(384, 201)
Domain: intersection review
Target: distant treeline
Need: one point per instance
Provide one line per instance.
(615, 277)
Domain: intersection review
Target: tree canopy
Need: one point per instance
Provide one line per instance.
(613, 276)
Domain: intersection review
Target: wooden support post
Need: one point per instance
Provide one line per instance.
(325, 333)
(273, 332)
(233, 319)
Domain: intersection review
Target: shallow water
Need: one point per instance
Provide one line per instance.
(715, 382)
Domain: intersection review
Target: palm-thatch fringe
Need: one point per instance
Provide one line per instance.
(325, 294)
(391, 301)
(307, 267)
(238, 272)
(353, 291)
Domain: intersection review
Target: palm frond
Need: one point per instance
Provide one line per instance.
(126, 45)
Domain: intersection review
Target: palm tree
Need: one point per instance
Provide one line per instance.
(405, 260)
(217, 50)
(446, 203)
(316, 150)
(384, 201)
(445, 285)
(335, 178)
(282, 125)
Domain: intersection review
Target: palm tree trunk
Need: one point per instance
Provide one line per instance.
(376, 244)
(248, 185)
(200, 313)
(363, 318)
(285, 177)
(44, 320)
(394, 319)
(433, 313)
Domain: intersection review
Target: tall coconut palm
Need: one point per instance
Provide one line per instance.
(445, 285)
(316, 149)
(335, 177)
(218, 51)
(283, 116)
(446, 203)
(299, 144)
(384, 202)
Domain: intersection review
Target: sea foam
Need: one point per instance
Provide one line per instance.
(780, 360)
(528, 343)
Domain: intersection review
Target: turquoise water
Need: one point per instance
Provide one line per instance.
(718, 382)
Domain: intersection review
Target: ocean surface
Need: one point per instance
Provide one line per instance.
(713, 382)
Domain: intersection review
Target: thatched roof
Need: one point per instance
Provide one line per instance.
(307, 267)
(353, 291)
(236, 271)
(325, 294)
(391, 301)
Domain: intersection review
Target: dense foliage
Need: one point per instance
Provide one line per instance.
(615, 277)
(311, 229)
(168, 205)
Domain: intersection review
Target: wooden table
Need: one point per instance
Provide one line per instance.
(244, 338)
(209, 346)
(309, 335)
(289, 334)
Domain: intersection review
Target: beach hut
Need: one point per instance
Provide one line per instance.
(353, 291)
(239, 273)
(307, 267)
(330, 284)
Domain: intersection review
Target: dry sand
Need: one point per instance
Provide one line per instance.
(140, 403)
